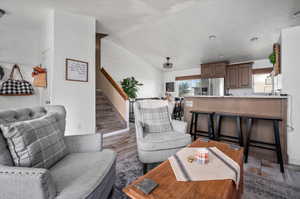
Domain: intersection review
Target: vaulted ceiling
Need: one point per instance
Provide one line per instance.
(180, 29)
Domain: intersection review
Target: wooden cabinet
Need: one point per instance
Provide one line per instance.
(232, 77)
(220, 70)
(206, 70)
(277, 65)
(239, 76)
(245, 76)
(213, 70)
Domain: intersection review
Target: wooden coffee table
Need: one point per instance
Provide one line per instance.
(169, 188)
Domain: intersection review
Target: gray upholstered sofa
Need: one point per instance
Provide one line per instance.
(87, 172)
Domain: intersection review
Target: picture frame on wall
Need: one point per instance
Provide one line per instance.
(170, 87)
(77, 70)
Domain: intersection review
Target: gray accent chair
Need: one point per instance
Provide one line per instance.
(158, 147)
(87, 172)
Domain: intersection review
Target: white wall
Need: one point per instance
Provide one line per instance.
(290, 43)
(120, 64)
(21, 45)
(74, 37)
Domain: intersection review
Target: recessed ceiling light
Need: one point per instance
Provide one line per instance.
(254, 39)
(212, 37)
(2, 12)
(296, 14)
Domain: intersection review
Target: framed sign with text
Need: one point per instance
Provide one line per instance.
(77, 70)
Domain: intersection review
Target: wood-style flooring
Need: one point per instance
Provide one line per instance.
(125, 144)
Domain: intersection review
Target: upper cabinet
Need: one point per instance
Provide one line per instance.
(206, 70)
(236, 75)
(213, 70)
(239, 76)
(245, 75)
(232, 79)
(277, 65)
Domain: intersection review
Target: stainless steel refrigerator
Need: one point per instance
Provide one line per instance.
(210, 87)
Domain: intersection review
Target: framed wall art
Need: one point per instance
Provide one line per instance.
(77, 70)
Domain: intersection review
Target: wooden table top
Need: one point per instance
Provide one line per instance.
(169, 188)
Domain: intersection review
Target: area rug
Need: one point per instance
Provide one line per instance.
(264, 188)
(256, 187)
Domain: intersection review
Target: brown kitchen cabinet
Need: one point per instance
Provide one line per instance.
(213, 70)
(239, 76)
(277, 65)
(206, 70)
(232, 78)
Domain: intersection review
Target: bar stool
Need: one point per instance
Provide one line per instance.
(264, 145)
(239, 135)
(194, 124)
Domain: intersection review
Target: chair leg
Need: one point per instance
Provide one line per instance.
(278, 145)
(218, 127)
(145, 168)
(211, 128)
(111, 192)
(239, 130)
(192, 124)
(195, 126)
(249, 130)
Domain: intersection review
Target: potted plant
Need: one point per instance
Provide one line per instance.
(130, 86)
(272, 58)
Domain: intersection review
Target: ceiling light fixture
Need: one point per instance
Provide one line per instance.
(212, 37)
(168, 65)
(254, 39)
(2, 12)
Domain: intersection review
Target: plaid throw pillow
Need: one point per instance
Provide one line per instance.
(35, 143)
(156, 120)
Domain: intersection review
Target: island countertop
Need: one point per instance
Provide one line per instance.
(246, 96)
(260, 106)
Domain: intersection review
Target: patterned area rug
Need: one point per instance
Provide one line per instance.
(256, 187)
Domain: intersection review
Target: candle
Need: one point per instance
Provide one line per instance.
(202, 156)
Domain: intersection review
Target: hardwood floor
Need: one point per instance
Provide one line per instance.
(125, 144)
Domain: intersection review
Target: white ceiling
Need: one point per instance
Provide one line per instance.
(180, 29)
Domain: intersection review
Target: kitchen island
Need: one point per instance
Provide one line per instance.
(260, 106)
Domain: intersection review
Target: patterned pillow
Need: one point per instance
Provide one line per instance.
(156, 120)
(35, 143)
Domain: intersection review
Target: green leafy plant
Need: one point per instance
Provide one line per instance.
(130, 86)
(272, 58)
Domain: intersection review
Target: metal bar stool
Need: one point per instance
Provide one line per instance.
(239, 135)
(194, 124)
(265, 145)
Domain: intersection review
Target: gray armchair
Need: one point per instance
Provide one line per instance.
(87, 172)
(158, 147)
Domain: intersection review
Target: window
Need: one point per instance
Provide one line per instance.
(188, 87)
(262, 83)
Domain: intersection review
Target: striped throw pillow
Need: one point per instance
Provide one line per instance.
(35, 143)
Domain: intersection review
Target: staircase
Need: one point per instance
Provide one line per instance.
(108, 119)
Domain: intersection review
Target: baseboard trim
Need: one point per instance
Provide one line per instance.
(116, 132)
(294, 161)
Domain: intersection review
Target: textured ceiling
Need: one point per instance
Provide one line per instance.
(180, 29)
